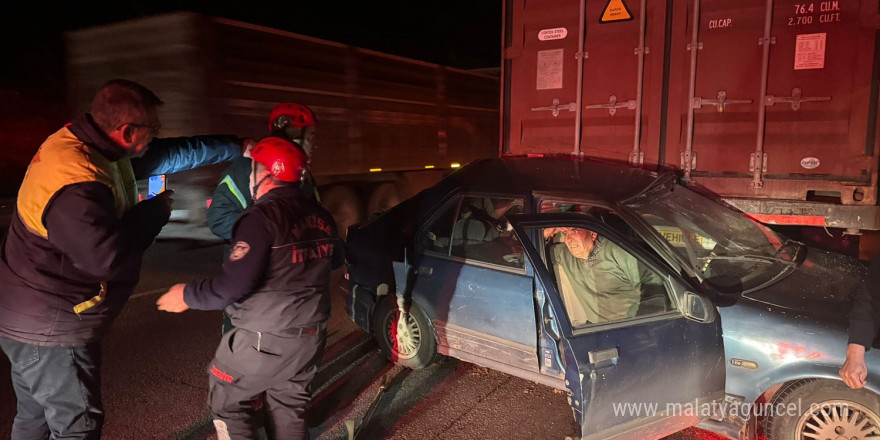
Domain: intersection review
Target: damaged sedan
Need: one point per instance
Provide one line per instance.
(656, 307)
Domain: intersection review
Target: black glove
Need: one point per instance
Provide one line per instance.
(145, 220)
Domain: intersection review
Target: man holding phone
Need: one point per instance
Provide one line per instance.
(73, 252)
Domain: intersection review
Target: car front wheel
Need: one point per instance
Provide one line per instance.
(410, 341)
(823, 409)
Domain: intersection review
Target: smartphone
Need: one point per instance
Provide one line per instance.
(156, 185)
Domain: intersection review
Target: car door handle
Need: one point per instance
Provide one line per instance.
(426, 271)
(603, 356)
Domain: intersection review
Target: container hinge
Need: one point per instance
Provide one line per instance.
(555, 108)
(720, 103)
(581, 55)
(613, 105)
(689, 161)
(637, 50)
(763, 40)
(699, 46)
(637, 158)
(795, 99)
(755, 159)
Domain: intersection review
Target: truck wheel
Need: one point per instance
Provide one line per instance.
(383, 197)
(822, 409)
(411, 344)
(344, 205)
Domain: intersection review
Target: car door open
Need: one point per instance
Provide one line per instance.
(637, 365)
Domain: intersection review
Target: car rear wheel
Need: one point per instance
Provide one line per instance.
(410, 341)
(823, 409)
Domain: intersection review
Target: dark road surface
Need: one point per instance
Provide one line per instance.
(155, 385)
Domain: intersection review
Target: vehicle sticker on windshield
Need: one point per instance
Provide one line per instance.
(810, 163)
(675, 237)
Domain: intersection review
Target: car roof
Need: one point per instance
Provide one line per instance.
(592, 178)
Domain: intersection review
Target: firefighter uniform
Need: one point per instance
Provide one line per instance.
(275, 287)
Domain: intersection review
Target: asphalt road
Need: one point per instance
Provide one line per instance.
(155, 385)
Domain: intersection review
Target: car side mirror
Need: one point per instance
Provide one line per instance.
(698, 308)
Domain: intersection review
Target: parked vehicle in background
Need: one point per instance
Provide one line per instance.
(389, 126)
(770, 104)
(681, 303)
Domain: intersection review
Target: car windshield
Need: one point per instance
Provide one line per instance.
(726, 249)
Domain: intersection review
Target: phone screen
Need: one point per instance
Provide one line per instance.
(156, 185)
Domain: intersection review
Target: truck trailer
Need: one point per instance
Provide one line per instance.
(770, 105)
(388, 126)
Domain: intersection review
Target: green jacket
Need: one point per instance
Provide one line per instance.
(605, 287)
(233, 195)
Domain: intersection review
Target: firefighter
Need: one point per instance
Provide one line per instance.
(294, 122)
(291, 121)
(275, 286)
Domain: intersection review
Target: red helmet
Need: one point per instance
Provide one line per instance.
(291, 113)
(281, 157)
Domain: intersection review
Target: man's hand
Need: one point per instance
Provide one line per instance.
(172, 300)
(854, 370)
(164, 200)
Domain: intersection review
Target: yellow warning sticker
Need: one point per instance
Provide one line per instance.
(616, 10)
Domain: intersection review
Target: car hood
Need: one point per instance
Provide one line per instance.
(823, 285)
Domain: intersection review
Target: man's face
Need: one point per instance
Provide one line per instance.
(308, 144)
(579, 241)
(258, 173)
(137, 135)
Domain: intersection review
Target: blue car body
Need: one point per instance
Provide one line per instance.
(716, 344)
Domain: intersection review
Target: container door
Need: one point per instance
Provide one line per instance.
(719, 111)
(540, 68)
(780, 99)
(818, 95)
(622, 79)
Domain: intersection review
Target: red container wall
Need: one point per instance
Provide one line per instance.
(751, 98)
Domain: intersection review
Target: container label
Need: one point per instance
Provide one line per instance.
(721, 23)
(810, 163)
(550, 69)
(809, 52)
(552, 34)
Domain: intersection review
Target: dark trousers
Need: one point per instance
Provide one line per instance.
(58, 391)
(278, 368)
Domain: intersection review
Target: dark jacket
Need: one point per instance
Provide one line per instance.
(863, 319)
(278, 273)
(73, 252)
(233, 195)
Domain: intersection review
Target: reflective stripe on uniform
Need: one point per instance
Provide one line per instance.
(222, 430)
(88, 304)
(234, 190)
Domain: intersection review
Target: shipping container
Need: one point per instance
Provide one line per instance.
(388, 126)
(770, 104)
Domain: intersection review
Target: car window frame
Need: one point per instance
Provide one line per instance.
(674, 284)
(661, 251)
(457, 199)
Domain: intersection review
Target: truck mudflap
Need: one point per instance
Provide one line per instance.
(359, 304)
